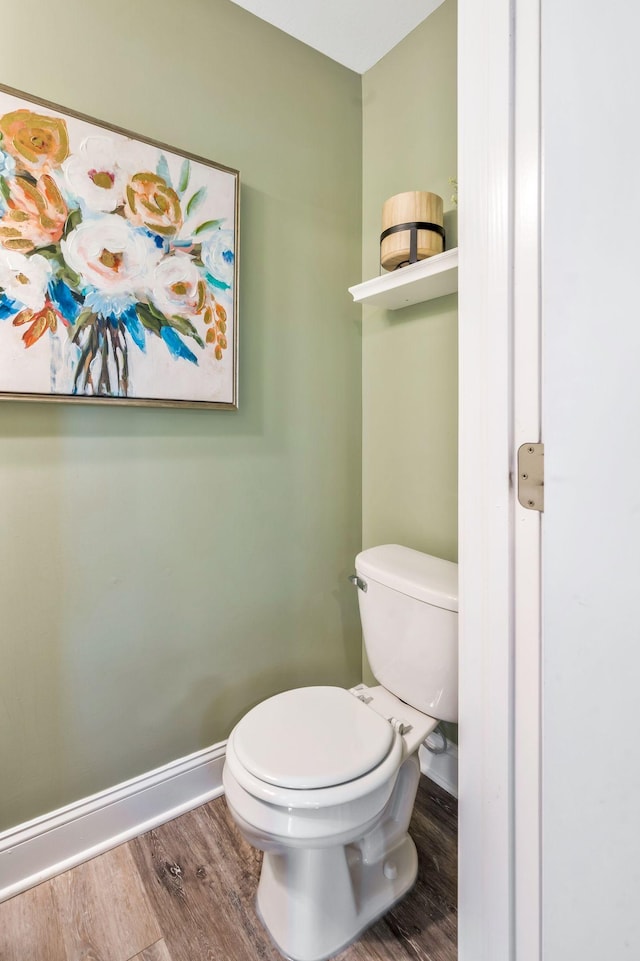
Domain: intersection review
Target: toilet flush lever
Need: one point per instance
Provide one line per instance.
(358, 582)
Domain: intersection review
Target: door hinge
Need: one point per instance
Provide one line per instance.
(531, 476)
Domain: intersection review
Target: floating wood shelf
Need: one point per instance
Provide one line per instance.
(428, 279)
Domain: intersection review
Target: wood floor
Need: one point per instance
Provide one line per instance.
(185, 892)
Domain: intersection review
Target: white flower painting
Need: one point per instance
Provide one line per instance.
(118, 264)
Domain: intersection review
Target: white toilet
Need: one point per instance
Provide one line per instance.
(323, 780)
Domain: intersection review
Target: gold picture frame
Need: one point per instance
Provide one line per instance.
(119, 264)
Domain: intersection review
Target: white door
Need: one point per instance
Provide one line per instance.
(591, 526)
(499, 759)
(549, 736)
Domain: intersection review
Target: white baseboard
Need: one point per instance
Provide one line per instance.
(48, 845)
(441, 768)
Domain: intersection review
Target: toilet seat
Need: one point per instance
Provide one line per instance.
(377, 778)
(335, 814)
(311, 738)
(321, 815)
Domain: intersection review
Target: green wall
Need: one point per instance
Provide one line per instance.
(409, 356)
(163, 570)
(409, 363)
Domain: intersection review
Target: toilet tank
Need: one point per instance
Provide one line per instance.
(409, 613)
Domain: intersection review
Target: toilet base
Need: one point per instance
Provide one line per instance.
(309, 921)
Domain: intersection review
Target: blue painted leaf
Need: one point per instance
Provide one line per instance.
(62, 298)
(220, 284)
(196, 200)
(176, 345)
(163, 170)
(8, 307)
(185, 173)
(157, 239)
(130, 320)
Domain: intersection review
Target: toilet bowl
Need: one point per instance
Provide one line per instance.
(323, 779)
(332, 817)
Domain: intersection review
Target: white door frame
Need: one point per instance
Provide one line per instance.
(499, 555)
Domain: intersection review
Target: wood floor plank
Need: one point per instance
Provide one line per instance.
(103, 909)
(186, 892)
(30, 928)
(203, 888)
(201, 877)
(155, 952)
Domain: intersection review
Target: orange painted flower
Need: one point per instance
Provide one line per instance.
(40, 321)
(151, 203)
(37, 142)
(35, 217)
(216, 316)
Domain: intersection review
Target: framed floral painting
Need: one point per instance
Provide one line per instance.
(118, 264)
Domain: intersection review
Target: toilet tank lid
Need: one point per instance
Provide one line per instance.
(428, 579)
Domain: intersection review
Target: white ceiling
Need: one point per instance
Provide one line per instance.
(356, 33)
